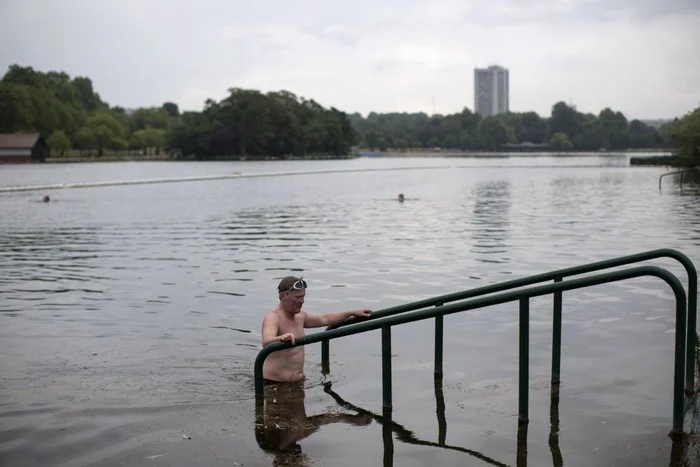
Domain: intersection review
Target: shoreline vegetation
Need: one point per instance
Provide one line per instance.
(655, 156)
(134, 157)
(248, 124)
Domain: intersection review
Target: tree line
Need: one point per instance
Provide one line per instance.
(249, 123)
(566, 128)
(72, 115)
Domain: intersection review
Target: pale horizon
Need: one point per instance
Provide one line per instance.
(636, 57)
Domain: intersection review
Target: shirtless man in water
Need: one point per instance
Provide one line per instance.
(286, 322)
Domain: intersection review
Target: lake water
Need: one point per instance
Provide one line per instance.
(130, 316)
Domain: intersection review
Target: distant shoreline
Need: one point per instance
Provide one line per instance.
(645, 157)
(168, 158)
(482, 154)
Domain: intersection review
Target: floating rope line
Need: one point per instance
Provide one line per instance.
(58, 186)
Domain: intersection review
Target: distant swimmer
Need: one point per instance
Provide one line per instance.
(47, 199)
(401, 198)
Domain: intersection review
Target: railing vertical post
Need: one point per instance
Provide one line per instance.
(440, 411)
(325, 357)
(691, 324)
(388, 438)
(438, 344)
(523, 376)
(386, 367)
(557, 459)
(556, 336)
(679, 361)
(521, 454)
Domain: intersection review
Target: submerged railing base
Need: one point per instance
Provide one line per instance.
(692, 410)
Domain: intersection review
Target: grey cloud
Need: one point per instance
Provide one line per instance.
(637, 9)
(565, 12)
(334, 36)
(383, 55)
(350, 34)
(394, 65)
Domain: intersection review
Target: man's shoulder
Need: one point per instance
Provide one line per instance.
(272, 314)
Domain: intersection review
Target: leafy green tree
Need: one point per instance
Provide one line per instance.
(560, 141)
(155, 117)
(137, 141)
(376, 139)
(191, 136)
(89, 99)
(450, 142)
(23, 75)
(496, 132)
(148, 138)
(614, 126)
(85, 139)
(16, 108)
(59, 141)
(118, 144)
(530, 127)
(171, 109)
(644, 136)
(154, 138)
(107, 132)
(685, 133)
(565, 120)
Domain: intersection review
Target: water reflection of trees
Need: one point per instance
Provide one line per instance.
(491, 220)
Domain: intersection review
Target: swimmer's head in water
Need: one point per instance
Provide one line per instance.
(401, 197)
(47, 199)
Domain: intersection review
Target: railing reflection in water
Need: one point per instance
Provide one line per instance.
(273, 438)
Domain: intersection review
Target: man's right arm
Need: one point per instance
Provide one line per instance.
(270, 329)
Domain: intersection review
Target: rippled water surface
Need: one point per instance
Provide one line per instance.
(131, 315)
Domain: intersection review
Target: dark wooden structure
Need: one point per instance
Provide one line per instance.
(22, 147)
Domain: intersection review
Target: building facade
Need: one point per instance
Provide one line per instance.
(491, 91)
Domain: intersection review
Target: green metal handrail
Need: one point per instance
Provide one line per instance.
(523, 296)
(677, 172)
(557, 276)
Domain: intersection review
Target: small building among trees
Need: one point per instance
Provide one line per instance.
(22, 147)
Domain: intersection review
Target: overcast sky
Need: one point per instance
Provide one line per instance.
(638, 56)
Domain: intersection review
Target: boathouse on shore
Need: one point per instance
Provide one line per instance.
(22, 148)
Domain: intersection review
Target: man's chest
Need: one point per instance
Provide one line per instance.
(295, 326)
